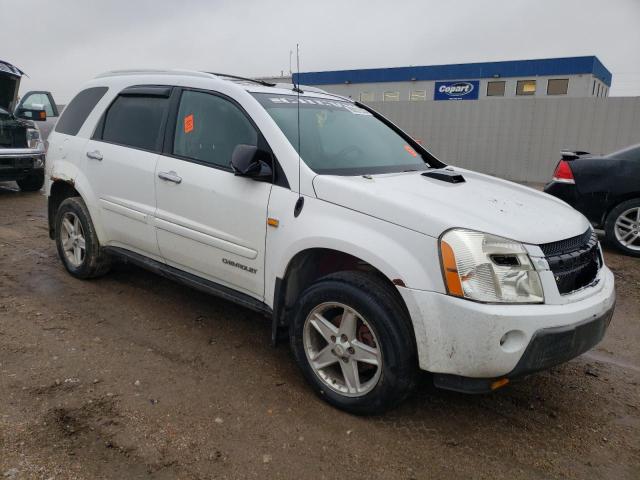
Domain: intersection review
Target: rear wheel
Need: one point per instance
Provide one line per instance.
(77, 242)
(354, 343)
(32, 183)
(622, 227)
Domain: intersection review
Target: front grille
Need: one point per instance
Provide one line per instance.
(574, 262)
(23, 162)
(568, 245)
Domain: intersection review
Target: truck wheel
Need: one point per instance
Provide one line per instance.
(622, 227)
(77, 242)
(354, 343)
(32, 183)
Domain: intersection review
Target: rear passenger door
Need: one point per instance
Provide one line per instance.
(210, 222)
(120, 165)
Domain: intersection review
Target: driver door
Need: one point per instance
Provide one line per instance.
(210, 222)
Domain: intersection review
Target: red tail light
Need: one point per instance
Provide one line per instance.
(563, 173)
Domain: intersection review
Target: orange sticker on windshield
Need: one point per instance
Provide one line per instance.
(188, 123)
(410, 151)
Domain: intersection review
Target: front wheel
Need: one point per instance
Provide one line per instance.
(354, 343)
(32, 183)
(622, 227)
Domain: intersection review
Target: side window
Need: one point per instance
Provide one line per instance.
(208, 128)
(74, 115)
(135, 121)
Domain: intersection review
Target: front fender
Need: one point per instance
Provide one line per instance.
(399, 253)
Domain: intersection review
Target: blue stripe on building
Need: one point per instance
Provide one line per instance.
(506, 69)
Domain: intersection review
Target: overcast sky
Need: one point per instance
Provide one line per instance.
(61, 44)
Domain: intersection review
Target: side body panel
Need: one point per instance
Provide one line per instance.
(602, 183)
(123, 183)
(213, 224)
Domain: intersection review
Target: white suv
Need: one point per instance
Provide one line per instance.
(374, 258)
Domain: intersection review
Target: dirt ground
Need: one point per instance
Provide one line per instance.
(133, 376)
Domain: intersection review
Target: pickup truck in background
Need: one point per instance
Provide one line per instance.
(24, 125)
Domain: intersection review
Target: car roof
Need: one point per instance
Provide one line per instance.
(248, 84)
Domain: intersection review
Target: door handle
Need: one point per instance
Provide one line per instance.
(170, 176)
(95, 155)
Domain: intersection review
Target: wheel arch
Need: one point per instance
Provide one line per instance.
(71, 183)
(618, 200)
(60, 190)
(310, 264)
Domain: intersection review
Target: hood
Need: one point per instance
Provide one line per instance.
(431, 206)
(9, 85)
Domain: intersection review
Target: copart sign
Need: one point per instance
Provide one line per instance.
(459, 90)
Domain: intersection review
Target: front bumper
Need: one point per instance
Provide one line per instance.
(461, 338)
(548, 347)
(16, 164)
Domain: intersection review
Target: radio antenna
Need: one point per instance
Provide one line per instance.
(300, 202)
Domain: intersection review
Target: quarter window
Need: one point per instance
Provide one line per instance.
(74, 115)
(526, 87)
(558, 86)
(496, 89)
(209, 128)
(135, 121)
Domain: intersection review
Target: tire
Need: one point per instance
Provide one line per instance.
(92, 261)
(620, 226)
(382, 326)
(32, 183)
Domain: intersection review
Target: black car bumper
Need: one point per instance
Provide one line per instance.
(564, 191)
(12, 168)
(548, 347)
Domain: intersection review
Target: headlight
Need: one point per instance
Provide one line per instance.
(33, 137)
(487, 268)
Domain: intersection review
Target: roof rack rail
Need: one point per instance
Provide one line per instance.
(185, 73)
(246, 79)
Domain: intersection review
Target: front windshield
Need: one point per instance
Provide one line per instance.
(340, 138)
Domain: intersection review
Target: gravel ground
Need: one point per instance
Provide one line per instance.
(133, 376)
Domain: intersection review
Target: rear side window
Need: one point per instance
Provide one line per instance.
(135, 121)
(78, 110)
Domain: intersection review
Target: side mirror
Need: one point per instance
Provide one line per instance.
(39, 115)
(249, 161)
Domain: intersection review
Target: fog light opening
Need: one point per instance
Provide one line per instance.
(513, 341)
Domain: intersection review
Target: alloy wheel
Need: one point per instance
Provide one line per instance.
(72, 238)
(627, 228)
(342, 349)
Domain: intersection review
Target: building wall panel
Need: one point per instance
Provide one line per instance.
(517, 139)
